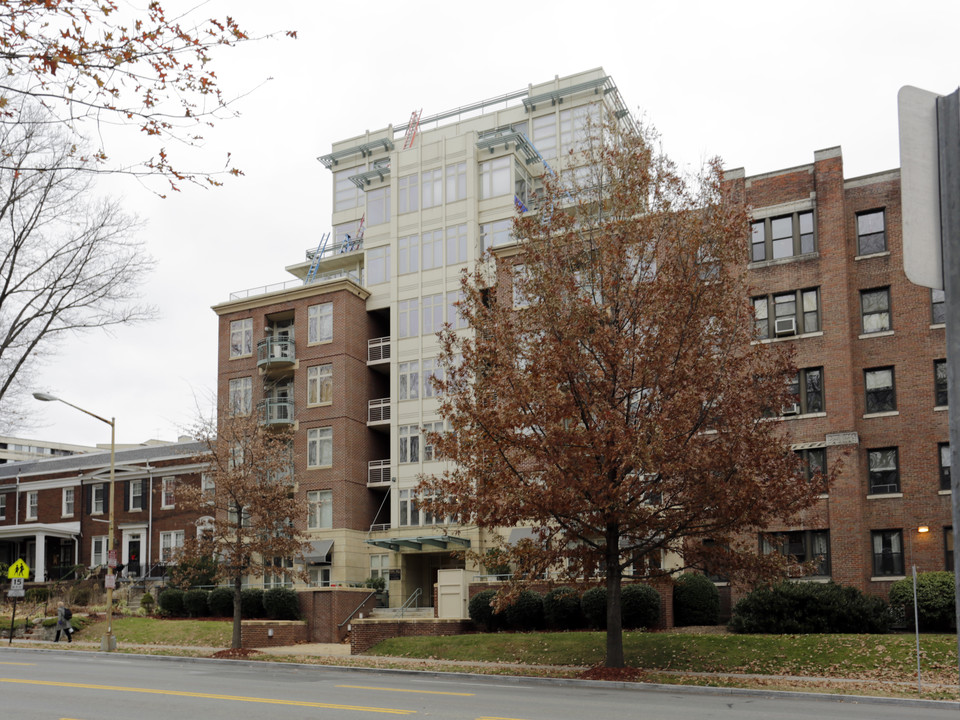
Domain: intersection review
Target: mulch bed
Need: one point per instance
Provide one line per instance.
(624, 674)
(235, 653)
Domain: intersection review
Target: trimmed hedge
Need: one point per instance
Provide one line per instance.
(639, 606)
(221, 602)
(195, 603)
(696, 601)
(936, 602)
(281, 604)
(561, 609)
(805, 607)
(251, 603)
(171, 601)
(526, 612)
(593, 604)
(482, 613)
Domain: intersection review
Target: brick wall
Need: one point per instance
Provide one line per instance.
(366, 633)
(257, 633)
(329, 611)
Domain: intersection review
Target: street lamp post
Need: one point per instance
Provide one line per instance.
(108, 643)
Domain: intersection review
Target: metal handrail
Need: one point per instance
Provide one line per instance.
(350, 616)
(412, 599)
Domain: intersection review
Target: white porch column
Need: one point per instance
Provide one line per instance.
(40, 567)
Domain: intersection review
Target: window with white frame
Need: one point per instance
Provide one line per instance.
(408, 318)
(378, 206)
(208, 488)
(320, 447)
(407, 194)
(409, 444)
(346, 194)
(884, 472)
(431, 245)
(67, 502)
(408, 387)
(456, 181)
(167, 492)
(495, 177)
(320, 384)
(429, 452)
(233, 508)
(33, 504)
(456, 244)
(431, 186)
(431, 369)
(96, 499)
(432, 313)
(320, 323)
(135, 501)
(169, 542)
(380, 566)
(409, 513)
(241, 395)
(545, 135)
(319, 509)
(98, 551)
(378, 265)
(3, 506)
(495, 234)
(454, 316)
(408, 254)
(241, 337)
(575, 126)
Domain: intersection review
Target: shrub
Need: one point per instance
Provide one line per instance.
(147, 602)
(482, 613)
(193, 572)
(804, 607)
(561, 609)
(379, 583)
(80, 596)
(281, 604)
(593, 604)
(171, 601)
(525, 612)
(639, 606)
(251, 603)
(221, 602)
(195, 603)
(696, 600)
(936, 602)
(37, 595)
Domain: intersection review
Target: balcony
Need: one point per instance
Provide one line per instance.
(276, 411)
(378, 473)
(379, 412)
(275, 353)
(378, 350)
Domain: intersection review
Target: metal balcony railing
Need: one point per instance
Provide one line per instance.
(276, 411)
(276, 351)
(379, 410)
(378, 349)
(378, 472)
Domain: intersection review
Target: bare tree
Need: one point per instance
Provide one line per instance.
(68, 261)
(248, 506)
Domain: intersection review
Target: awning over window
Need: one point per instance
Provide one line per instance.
(319, 552)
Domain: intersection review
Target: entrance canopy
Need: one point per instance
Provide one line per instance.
(417, 542)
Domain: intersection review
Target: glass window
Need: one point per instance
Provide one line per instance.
(98, 551)
(456, 176)
(408, 317)
(520, 297)
(456, 244)
(761, 316)
(811, 310)
(431, 184)
(378, 265)
(814, 465)
(320, 323)
(431, 370)
(884, 473)
(758, 246)
(408, 254)
(68, 502)
(887, 552)
(407, 189)
(802, 546)
(454, 316)
(3, 506)
(881, 394)
(136, 495)
(545, 135)
(941, 396)
(495, 234)
(380, 566)
(805, 222)
(575, 126)
(241, 337)
(320, 447)
(871, 236)
(429, 452)
(943, 452)
(319, 509)
(378, 206)
(781, 230)
(875, 310)
(409, 444)
(346, 194)
(241, 395)
(431, 244)
(33, 504)
(432, 313)
(408, 387)
(807, 386)
(96, 499)
(938, 307)
(169, 542)
(320, 384)
(409, 513)
(167, 498)
(495, 177)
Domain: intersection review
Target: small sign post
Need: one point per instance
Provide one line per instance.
(16, 574)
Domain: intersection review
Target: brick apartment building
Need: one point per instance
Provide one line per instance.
(343, 354)
(54, 513)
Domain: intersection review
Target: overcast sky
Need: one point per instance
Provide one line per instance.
(761, 84)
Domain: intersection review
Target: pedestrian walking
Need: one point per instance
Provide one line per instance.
(64, 615)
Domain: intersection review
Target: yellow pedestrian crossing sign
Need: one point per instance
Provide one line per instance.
(18, 570)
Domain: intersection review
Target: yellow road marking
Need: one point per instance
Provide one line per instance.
(210, 696)
(425, 692)
(13, 663)
(498, 718)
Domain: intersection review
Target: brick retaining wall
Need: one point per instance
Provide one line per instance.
(364, 634)
(256, 633)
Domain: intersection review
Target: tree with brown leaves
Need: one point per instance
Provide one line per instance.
(246, 506)
(95, 63)
(611, 395)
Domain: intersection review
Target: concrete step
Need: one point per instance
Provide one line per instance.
(407, 613)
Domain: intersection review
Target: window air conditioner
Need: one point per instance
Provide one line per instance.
(792, 409)
(785, 326)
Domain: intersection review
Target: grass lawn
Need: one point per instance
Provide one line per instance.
(886, 657)
(152, 631)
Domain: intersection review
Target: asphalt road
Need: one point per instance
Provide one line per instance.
(45, 685)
